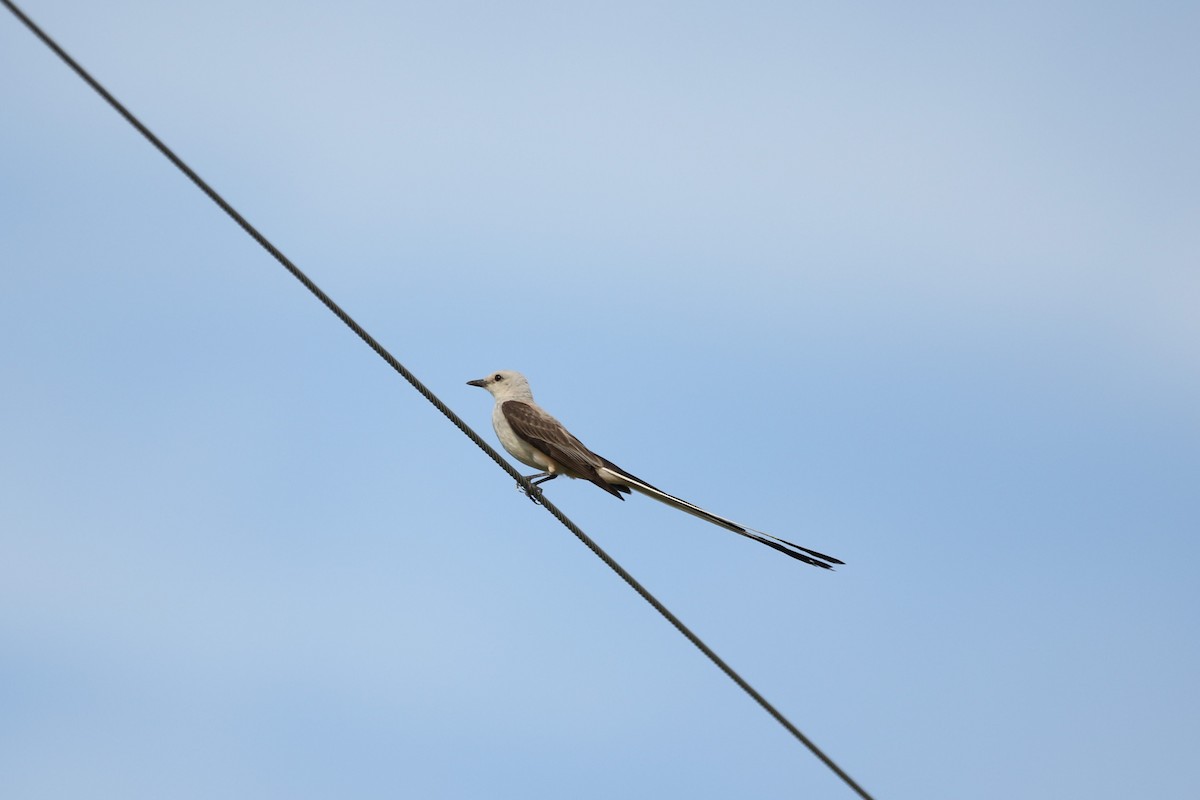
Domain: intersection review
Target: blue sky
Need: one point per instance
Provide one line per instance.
(915, 286)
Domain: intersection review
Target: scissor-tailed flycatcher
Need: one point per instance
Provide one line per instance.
(537, 439)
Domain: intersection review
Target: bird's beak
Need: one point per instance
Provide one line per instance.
(481, 383)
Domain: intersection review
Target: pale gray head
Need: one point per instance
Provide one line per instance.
(505, 384)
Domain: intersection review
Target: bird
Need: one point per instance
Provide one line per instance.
(536, 439)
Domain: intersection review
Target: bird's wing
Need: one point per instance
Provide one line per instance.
(548, 435)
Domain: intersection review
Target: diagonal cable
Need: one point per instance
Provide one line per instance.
(433, 399)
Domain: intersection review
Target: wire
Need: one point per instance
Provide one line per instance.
(432, 398)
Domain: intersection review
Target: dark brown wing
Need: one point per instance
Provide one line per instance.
(548, 435)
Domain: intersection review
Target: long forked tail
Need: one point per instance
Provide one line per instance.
(611, 473)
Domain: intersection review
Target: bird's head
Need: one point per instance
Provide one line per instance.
(505, 384)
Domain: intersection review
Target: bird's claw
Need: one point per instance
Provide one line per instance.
(533, 492)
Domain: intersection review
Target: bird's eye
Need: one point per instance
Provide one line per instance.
(498, 377)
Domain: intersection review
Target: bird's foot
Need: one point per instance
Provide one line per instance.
(533, 492)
